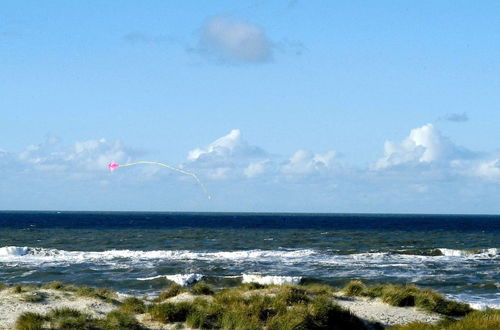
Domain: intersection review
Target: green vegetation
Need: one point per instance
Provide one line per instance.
(273, 308)
(97, 293)
(120, 320)
(252, 286)
(477, 320)
(56, 285)
(201, 288)
(172, 291)
(169, 312)
(354, 288)
(253, 306)
(34, 297)
(72, 319)
(30, 321)
(133, 305)
(408, 295)
(3, 286)
(17, 289)
(68, 319)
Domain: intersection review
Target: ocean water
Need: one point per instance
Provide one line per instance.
(141, 253)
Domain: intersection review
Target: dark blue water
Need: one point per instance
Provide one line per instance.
(142, 252)
(143, 220)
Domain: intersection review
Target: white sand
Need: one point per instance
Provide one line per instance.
(374, 310)
(12, 305)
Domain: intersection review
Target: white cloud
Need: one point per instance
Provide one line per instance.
(304, 162)
(89, 155)
(235, 40)
(489, 170)
(424, 145)
(226, 148)
(258, 168)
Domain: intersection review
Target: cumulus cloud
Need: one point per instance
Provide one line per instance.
(225, 148)
(456, 117)
(424, 145)
(489, 170)
(234, 40)
(88, 155)
(304, 162)
(258, 168)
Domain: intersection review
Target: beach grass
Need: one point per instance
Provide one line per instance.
(170, 312)
(30, 321)
(34, 297)
(97, 293)
(120, 320)
(68, 318)
(408, 295)
(133, 305)
(273, 307)
(172, 291)
(201, 288)
(253, 306)
(56, 285)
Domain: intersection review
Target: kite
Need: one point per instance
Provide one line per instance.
(113, 166)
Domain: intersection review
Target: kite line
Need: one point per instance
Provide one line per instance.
(112, 166)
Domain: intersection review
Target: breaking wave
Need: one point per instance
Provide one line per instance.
(35, 255)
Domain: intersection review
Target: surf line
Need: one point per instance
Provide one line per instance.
(112, 166)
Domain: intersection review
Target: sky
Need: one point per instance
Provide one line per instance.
(277, 106)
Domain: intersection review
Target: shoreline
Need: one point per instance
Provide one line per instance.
(370, 305)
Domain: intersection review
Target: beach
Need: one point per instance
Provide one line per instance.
(14, 301)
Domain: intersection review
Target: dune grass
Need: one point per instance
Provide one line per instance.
(68, 318)
(104, 294)
(34, 297)
(119, 320)
(72, 319)
(172, 291)
(56, 285)
(30, 321)
(133, 305)
(170, 312)
(201, 288)
(408, 295)
(280, 307)
(477, 320)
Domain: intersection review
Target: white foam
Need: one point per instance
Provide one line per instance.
(269, 279)
(7, 251)
(480, 253)
(42, 255)
(181, 279)
(477, 302)
(484, 306)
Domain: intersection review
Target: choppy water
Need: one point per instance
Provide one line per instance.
(141, 252)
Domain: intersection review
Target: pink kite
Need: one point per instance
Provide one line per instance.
(112, 166)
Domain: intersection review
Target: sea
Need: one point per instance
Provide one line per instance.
(141, 253)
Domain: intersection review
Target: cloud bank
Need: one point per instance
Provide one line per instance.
(425, 171)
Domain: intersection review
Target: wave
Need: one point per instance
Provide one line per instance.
(181, 279)
(45, 255)
(120, 258)
(486, 253)
(270, 279)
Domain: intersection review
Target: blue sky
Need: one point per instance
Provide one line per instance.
(308, 106)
